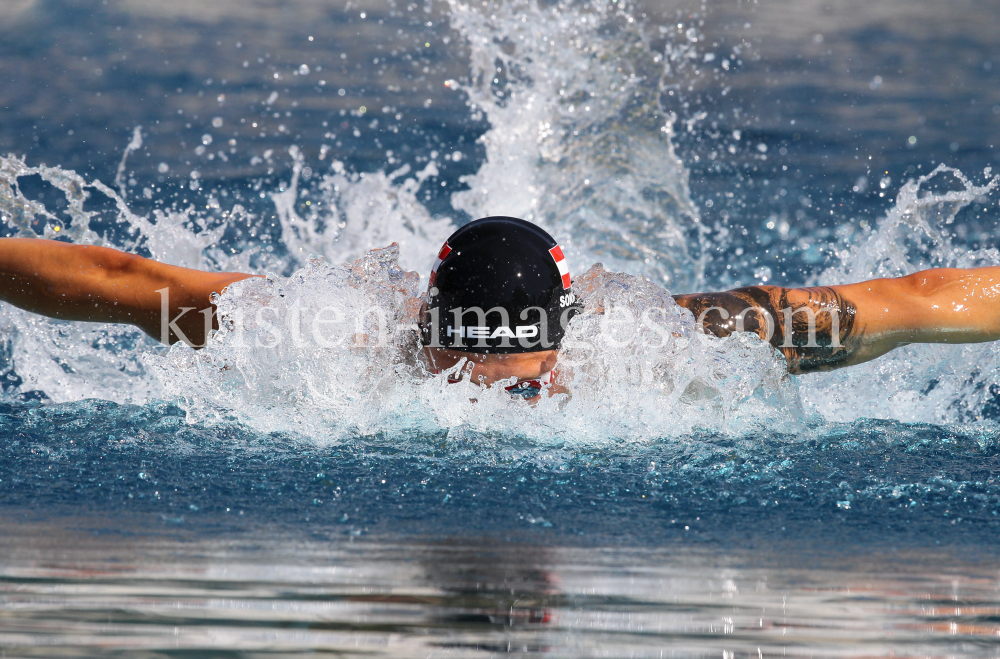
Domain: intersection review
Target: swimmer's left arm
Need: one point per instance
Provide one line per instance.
(827, 327)
(815, 329)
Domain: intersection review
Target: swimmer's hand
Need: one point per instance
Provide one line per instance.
(99, 284)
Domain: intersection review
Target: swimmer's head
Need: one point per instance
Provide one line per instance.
(499, 286)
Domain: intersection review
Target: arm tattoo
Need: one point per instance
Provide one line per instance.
(813, 328)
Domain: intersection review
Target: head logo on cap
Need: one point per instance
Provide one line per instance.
(498, 285)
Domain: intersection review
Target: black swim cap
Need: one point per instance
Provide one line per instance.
(500, 285)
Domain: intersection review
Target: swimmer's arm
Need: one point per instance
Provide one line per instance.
(99, 284)
(855, 323)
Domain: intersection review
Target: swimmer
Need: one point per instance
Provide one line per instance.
(500, 299)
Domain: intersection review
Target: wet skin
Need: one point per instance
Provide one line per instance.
(99, 284)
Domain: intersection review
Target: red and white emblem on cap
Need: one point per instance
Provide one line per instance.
(445, 251)
(560, 260)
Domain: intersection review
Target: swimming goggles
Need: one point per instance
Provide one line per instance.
(525, 388)
(530, 388)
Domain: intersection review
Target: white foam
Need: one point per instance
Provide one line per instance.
(275, 367)
(70, 361)
(365, 210)
(579, 142)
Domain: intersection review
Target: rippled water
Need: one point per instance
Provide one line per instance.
(272, 495)
(452, 598)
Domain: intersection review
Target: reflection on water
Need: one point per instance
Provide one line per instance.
(94, 593)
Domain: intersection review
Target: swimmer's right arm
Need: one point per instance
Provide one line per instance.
(99, 284)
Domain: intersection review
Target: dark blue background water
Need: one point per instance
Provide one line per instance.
(871, 484)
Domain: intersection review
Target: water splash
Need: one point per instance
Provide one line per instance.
(913, 235)
(23, 214)
(70, 361)
(635, 365)
(134, 145)
(580, 142)
(58, 360)
(364, 210)
(323, 352)
(332, 352)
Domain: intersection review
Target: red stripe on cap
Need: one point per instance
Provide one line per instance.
(560, 259)
(445, 251)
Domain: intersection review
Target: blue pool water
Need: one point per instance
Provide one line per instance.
(269, 497)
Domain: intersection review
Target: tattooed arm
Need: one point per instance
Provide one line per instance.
(827, 327)
(815, 328)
